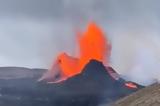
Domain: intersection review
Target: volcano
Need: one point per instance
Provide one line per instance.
(85, 80)
(93, 86)
(92, 44)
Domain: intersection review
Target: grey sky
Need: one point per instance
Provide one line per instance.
(33, 32)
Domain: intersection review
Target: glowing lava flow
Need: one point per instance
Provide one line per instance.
(93, 45)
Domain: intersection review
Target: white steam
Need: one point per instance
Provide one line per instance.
(33, 32)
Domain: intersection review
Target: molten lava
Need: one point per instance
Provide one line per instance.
(92, 45)
(68, 65)
(131, 85)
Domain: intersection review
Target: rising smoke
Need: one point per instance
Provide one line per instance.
(32, 32)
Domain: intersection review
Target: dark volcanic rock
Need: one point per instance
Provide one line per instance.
(90, 88)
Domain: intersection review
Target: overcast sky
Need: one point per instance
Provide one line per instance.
(33, 32)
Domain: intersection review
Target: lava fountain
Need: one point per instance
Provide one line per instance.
(92, 45)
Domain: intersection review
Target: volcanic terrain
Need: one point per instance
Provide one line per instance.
(90, 88)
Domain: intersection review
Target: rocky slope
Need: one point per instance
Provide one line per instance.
(149, 96)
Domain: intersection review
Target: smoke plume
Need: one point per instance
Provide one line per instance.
(33, 32)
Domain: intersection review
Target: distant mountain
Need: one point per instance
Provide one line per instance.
(20, 72)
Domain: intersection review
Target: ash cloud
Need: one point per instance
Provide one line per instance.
(32, 32)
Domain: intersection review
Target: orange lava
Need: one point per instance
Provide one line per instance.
(68, 65)
(131, 85)
(92, 45)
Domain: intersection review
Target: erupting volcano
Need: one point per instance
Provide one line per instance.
(92, 45)
(85, 80)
